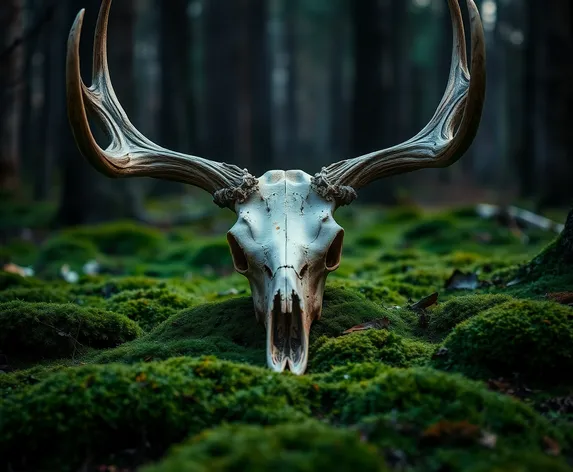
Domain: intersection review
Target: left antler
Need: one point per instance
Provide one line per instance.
(439, 144)
(130, 153)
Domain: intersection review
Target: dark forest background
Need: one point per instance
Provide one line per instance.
(288, 84)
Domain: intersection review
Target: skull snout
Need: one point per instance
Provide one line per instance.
(287, 323)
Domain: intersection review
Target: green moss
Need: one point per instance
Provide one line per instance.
(344, 308)
(19, 252)
(10, 280)
(304, 447)
(122, 238)
(151, 306)
(147, 349)
(447, 316)
(64, 249)
(45, 330)
(368, 346)
(214, 254)
(229, 329)
(438, 420)
(529, 338)
(102, 410)
(105, 287)
(439, 227)
(443, 233)
(402, 214)
(46, 293)
(20, 379)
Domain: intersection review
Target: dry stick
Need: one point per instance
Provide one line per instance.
(524, 216)
(60, 332)
(76, 341)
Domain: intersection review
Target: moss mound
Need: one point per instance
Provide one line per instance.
(215, 254)
(105, 287)
(47, 294)
(101, 410)
(64, 249)
(345, 307)
(437, 421)
(368, 346)
(10, 280)
(151, 306)
(529, 338)
(448, 315)
(441, 421)
(45, 330)
(122, 238)
(229, 329)
(305, 447)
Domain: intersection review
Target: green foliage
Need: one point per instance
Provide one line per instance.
(529, 338)
(45, 293)
(45, 330)
(102, 410)
(19, 252)
(132, 398)
(64, 249)
(448, 315)
(439, 421)
(122, 238)
(444, 233)
(368, 346)
(105, 287)
(229, 329)
(301, 447)
(151, 306)
(9, 280)
(215, 254)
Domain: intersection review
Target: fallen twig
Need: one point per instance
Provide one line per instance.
(524, 217)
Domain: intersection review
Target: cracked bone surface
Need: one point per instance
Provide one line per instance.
(286, 242)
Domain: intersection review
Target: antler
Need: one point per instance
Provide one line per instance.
(130, 153)
(439, 144)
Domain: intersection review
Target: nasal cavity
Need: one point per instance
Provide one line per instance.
(240, 260)
(335, 252)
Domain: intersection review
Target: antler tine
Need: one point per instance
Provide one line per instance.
(130, 153)
(439, 144)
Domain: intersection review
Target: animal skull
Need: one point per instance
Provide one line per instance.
(285, 240)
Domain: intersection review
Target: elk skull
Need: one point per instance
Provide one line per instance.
(285, 240)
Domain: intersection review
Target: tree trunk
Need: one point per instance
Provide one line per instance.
(86, 195)
(177, 127)
(11, 79)
(254, 119)
(373, 123)
(549, 92)
(221, 53)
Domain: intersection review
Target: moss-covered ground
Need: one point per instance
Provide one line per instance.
(148, 356)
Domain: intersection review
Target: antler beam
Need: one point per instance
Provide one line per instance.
(130, 153)
(439, 144)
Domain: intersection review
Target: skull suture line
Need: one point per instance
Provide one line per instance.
(285, 240)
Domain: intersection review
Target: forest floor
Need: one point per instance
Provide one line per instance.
(137, 347)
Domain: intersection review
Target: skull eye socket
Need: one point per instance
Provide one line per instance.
(335, 252)
(240, 260)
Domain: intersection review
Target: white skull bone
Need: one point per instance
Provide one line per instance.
(286, 242)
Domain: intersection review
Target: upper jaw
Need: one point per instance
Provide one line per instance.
(288, 330)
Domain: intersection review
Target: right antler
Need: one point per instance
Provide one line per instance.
(445, 138)
(130, 153)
